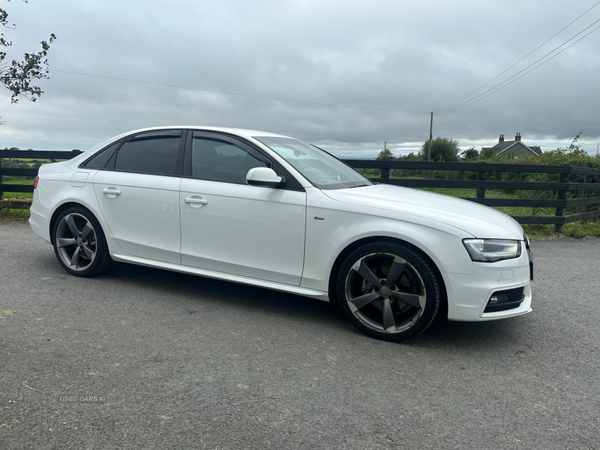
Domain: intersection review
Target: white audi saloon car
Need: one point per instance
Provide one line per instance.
(268, 210)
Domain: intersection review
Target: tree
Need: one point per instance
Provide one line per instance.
(385, 155)
(18, 77)
(442, 149)
(487, 153)
(471, 154)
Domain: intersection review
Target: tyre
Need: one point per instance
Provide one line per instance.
(79, 243)
(388, 291)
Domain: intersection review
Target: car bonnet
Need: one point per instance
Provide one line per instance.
(473, 218)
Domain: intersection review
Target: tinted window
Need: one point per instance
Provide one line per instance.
(157, 155)
(99, 160)
(221, 161)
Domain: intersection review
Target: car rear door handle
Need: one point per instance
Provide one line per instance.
(196, 201)
(111, 192)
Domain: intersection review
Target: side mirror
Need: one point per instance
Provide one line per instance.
(264, 176)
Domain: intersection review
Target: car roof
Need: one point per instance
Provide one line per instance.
(245, 133)
(237, 131)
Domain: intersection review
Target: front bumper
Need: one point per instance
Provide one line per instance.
(469, 295)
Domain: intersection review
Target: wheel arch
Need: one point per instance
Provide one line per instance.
(97, 253)
(356, 244)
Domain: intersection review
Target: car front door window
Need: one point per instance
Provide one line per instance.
(221, 161)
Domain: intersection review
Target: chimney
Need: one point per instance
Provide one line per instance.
(518, 136)
(501, 139)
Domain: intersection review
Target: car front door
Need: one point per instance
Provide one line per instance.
(138, 193)
(231, 227)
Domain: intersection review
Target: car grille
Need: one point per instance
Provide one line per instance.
(504, 300)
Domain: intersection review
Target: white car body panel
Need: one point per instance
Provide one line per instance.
(58, 191)
(142, 213)
(243, 230)
(480, 221)
(341, 225)
(287, 240)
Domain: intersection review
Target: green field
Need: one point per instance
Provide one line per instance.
(9, 195)
(30, 162)
(6, 214)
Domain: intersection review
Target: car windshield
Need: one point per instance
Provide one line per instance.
(317, 166)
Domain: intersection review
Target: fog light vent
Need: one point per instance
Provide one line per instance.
(504, 300)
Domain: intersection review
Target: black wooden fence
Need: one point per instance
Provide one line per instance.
(23, 172)
(586, 193)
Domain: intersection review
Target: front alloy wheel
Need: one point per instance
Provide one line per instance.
(388, 291)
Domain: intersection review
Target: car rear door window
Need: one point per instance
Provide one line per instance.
(156, 154)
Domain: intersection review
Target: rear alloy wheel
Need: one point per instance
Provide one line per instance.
(388, 291)
(79, 243)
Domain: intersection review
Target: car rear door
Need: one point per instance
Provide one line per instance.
(138, 194)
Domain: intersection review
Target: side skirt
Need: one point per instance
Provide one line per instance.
(318, 295)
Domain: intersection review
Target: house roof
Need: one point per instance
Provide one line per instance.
(507, 145)
(502, 147)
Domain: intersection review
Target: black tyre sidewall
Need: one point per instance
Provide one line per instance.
(418, 262)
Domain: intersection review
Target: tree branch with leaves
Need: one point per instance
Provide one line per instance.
(19, 77)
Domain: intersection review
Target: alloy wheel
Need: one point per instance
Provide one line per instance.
(76, 242)
(385, 292)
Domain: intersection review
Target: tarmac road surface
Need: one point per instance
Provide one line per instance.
(143, 358)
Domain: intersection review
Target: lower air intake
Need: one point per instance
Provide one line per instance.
(504, 300)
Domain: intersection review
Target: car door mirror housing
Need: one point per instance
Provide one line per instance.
(264, 176)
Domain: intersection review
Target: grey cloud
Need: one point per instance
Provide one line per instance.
(404, 56)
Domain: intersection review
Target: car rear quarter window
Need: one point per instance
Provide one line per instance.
(154, 155)
(99, 160)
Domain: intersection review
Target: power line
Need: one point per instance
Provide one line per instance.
(232, 93)
(539, 65)
(528, 54)
(420, 120)
(507, 82)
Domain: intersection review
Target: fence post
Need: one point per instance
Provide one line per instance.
(481, 176)
(1, 193)
(562, 195)
(385, 172)
(586, 194)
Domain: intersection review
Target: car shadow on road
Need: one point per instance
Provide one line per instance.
(188, 291)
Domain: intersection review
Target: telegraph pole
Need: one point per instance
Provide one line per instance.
(430, 137)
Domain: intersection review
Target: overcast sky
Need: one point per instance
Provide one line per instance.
(348, 75)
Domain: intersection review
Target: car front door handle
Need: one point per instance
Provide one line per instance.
(196, 201)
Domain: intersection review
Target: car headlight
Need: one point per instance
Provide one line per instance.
(492, 250)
